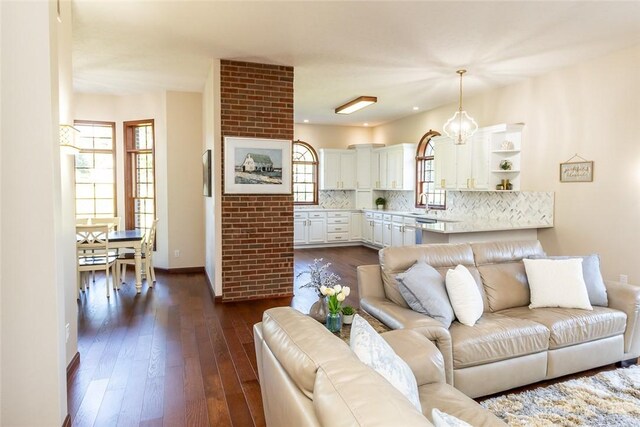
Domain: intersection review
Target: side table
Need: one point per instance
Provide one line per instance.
(378, 326)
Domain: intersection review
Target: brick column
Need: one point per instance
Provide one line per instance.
(257, 230)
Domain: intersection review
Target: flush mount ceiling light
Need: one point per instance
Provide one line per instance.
(357, 104)
(460, 126)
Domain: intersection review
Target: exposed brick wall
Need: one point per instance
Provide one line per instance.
(257, 230)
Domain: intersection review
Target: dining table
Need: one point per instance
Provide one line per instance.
(130, 239)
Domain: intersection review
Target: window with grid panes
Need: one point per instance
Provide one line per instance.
(95, 178)
(426, 193)
(305, 174)
(140, 191)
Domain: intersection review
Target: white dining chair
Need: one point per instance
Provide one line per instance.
(147, 257)
(112, 221)
(92, 244)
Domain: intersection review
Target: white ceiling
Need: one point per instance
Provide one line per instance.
(405, 53)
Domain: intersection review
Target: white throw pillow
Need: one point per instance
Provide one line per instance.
(557, 283)
(375, 352)
(442, 419)
(464, 295)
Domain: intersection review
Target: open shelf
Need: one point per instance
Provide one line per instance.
(504, 171)
(506, 151)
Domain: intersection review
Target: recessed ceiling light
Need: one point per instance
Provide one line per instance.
(356, 104)
(306, 120)
(365, 124)
(416, 108)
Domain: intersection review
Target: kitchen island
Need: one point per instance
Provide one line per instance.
(466, 231)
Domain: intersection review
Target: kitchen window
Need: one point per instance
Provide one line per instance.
(95, 172)
(140, 189)
(426, 193)
(305, 174)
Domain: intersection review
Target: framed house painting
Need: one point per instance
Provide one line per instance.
(257, 166)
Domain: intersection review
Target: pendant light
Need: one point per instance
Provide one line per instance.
(460, 126)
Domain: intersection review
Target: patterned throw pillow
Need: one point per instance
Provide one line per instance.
(375, 352)
(442, 419)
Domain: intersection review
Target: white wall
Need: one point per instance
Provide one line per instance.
(184, 179)
(591, 109)
(213, 205)
(325, 136)
(67, 181)
(32, 293)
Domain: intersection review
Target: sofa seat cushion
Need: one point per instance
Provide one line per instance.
(496, 337)
(569, 326)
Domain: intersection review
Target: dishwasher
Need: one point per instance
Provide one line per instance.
(420, 221)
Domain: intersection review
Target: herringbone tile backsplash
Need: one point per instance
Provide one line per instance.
(531, 206)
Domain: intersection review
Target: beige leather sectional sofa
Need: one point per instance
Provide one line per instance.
(511, 345)
(309, 377)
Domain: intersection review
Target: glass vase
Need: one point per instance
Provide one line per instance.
(334, 322)
(318, 310)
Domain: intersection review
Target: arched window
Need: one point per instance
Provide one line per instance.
(305, 174)
(426, 193)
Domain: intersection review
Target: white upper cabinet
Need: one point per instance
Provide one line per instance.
(363, 168)
(476, 164)
(396, 167)
(337, 169)
(445, 163)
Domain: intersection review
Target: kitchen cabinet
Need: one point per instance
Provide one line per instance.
(377, 229)
(337, 169)
(386, 230)
(338, 226)
(476, 164)
(403, 232)
(363, 168)
(367, 227)
(396, 167)
(444, 163)
(309, 228)
(355, 230)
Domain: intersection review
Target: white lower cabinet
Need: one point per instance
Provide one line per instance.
(355, 230)
(367, 227)
(386, 230)
(377, 229)
(309, 228)
(336, 227)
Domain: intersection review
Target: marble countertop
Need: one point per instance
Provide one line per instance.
(445, 224)
(475, 226)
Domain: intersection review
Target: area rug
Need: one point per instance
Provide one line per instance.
(609, 398)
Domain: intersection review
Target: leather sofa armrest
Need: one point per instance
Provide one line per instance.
(422, 356)
(396, 317)
(626, 298)
(370, 281)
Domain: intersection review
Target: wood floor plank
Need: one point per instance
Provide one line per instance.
(110, 407)
(153, 401)
(174, 403)
(88, 410)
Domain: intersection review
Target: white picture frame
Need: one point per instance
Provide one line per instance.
(257, 166)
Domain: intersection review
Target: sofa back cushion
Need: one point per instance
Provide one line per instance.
(300, 345)
(503, 275)
(442, 257)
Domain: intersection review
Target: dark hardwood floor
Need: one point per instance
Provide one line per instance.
(171, 357)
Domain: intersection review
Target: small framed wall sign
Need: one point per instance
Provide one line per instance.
(257, 166)
(576, 171)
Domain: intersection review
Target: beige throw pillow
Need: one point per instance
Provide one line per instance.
(557, 283)
(464, 295)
